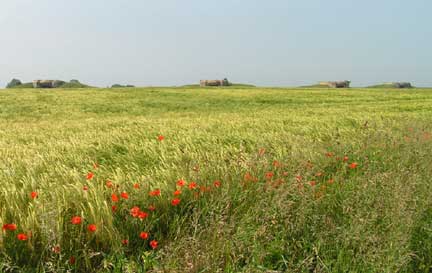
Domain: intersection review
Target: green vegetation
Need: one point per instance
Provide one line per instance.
(22, 86)
(315, 86)
(310, 180)
(122, 86)
(233, 85)
(384, 86)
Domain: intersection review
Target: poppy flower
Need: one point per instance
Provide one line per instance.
(181, 183)
(113, 208)
(56, 249)
(22, 237)
(217, 184)
(109, 184)
(72, 260)
(124, 195)
(76, 220)
(177, 192)
(329, 154)
(10, 227)
(160, 138)
(156, 192)
(175, 202)
(276, 163)
(345, 158)
(152, 208)
(298, 178)
(144, 235)
(353, 165)
(85, 188)
(125, 242)
(269, 175)
(142, 215)
(312, 183)
(134, 211)
(136, 186)
(153, 244)
(114, 198)
(33, 194)
(192, 185)
(90, 176)
(91, 228)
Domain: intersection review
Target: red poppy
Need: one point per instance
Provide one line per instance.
(109, 184)
(22, 237)
(76, 220)
(136, 186)
(181, 183)
(125, 242)
(90, 176)
(72, 260)
(85, 188)
(345, 158)
(124, 195)
(134, 211)
(269, 175)
(144, 235)
(298, 178)
(152, 208)
(33, 194)
(175, 202)
(312, 183)
(154, 244)
(10, 227)
(276, 163)
(56, 249)
(91, 228)
(353, 165)
(114, 198)
(329, 154)
(177, 192)
(142, 215)
(156, 192)
(160, 138)
(113, 208)
(217, 183)
(192, 185)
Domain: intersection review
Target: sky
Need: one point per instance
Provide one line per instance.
(173, 42)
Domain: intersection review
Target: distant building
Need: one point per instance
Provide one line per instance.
(338, 84)
(47, 83)
(399, 84)
(224, 82)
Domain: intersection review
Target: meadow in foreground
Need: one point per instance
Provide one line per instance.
(216, 180)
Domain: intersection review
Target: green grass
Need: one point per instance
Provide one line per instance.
(288, 200)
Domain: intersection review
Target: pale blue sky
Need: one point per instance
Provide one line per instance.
(175, 42)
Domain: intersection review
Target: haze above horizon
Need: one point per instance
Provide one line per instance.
(166, 43)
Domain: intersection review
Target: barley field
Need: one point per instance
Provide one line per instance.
(216, 180)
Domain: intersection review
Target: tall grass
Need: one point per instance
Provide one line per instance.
(290, 198)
